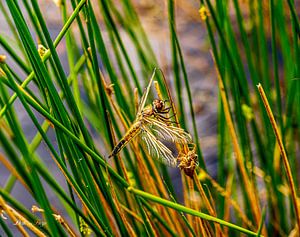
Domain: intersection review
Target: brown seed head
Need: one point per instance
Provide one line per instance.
(188, 162)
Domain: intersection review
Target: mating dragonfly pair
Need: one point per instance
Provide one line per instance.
(153, 125)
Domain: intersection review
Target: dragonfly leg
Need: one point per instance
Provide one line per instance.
(165, 110)
(166, 120)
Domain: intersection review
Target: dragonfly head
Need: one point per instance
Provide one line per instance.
(158, 105)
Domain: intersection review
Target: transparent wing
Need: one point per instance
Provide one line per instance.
(167, 132)
(146, 93)
(156, 148)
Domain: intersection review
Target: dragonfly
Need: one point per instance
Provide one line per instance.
(152, 125)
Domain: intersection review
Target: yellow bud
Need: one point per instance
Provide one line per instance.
(204, 13)
(42, 50)
(247, 112)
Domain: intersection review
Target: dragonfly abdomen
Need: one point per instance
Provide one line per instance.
(135, 128)
(117, 148)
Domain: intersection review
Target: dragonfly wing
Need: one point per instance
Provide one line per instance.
(167, 132)
(156, 148)
(146, 93)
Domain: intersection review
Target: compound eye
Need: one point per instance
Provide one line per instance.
(162, 104)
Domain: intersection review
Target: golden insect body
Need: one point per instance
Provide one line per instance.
(152, 125)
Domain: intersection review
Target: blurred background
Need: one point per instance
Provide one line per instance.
(196, 49)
